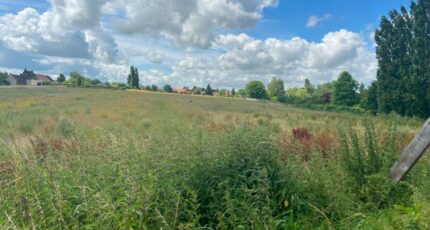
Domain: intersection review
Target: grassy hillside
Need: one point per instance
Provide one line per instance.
(100, 159)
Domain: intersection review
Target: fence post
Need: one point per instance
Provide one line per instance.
(413, 152)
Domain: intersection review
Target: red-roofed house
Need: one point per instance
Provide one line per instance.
(29, 78)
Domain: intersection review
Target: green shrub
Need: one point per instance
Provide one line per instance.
(66, 127)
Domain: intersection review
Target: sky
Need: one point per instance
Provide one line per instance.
(225, 43)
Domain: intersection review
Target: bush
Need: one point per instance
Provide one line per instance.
(66, 127)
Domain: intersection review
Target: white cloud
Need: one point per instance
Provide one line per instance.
(72, 35)
(154, 57)
(188, 22)
(245, 58)
(313, 20)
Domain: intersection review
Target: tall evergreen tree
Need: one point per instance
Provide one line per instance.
(309, 87)
(61, 78)
(403, 53)
(209, 90)
(130, 77)
(133, 78)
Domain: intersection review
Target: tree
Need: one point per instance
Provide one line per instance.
(167, 88)
(3, 79)
(233, 92)
(345, 90)
(242, 93)
(403, 53)
(276, 89)
(61, 78)
(209, 90)
(133, 78)
(368, 98)
(309, 87)
(256, 90)
(154, 88)
(96, 82)
(75, 79)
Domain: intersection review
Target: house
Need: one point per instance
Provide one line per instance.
(40, 80)
(29, 78)
(182, 90)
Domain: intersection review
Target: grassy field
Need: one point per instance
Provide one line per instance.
(101, 159)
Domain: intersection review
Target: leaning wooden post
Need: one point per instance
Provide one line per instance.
(411, 154)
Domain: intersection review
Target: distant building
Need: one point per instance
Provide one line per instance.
(29, 78)
(182, 90)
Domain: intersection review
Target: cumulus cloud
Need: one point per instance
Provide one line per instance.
(75, 35)
(188, 22)
(153, 56)
(77, 28)
(314, 20)
(56, 33)
(246, 58)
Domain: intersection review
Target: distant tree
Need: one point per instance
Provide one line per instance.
(147, 87)
(3, 79)
(323, 89)
(256, 90)
(222, 92)
(133, 78)
(233, 92)
(96, 82)
(154, 88)
(309, 87)
(61, 78)
(209, 90)
(276, 89)
(345, 90)
(242, 93)
(136, 79)
(167, 88)
(75, 79)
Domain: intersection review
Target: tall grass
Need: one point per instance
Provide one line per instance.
(167, 162)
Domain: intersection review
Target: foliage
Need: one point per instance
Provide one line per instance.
(154, 88)
(242, 93)
(61, 78)
(199, 163)
(276, 90)
(404, 69)
(209, 90)
(3, 79)
(76, 79)
(309, 87)
(133, 78)
(256, 90)
(345, 90)
(167, 88)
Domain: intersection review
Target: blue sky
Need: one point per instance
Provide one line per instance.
(194, 42)
(290, 17)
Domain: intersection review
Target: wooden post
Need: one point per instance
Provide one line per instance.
(411, 154)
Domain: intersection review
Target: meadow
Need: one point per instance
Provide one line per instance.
(74, 158)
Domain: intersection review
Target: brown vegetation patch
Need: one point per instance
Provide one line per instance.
(213, 127)
(6, 169)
